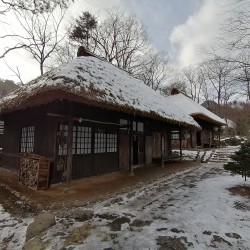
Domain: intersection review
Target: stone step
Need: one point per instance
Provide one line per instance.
(218, 161)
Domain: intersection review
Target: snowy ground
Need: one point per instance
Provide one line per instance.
(189, 210)
(12, 231)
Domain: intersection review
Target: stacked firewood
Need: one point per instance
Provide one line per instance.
(34, 171)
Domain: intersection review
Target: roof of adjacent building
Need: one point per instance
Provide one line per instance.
(195, 109)
(92, 81)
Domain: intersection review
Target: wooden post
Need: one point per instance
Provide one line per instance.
(69, 149)
(219, 136)
(180, 143)
(131, 173)
(162, 149)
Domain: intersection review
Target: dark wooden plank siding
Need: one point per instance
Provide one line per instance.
(10, 152)
(82, 166)
(1, 133)
(156, 145)
(148, 150)
(105, 163)
(46, 122)
(124, 152)
(45, 139)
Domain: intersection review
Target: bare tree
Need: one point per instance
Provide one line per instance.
(195, 77)
(237, 27)
(244, 77)
(120, 38)
(218, 74)
(154, 70)
(16, 72)
(37, 6)
(29, 13)
(66, 53)
(41, 34)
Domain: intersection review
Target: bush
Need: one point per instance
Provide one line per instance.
(241, 162)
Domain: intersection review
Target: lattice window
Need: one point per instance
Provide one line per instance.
(82, 140)
(27, 139)
(1, 127)
(100, 142)
(111, 143)
(175, 135)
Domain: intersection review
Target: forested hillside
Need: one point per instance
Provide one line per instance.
(6, 86)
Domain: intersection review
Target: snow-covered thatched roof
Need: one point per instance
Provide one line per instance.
(95, 82)
(195, 109)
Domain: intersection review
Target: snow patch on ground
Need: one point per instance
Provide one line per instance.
(12, 231)
(192, 209)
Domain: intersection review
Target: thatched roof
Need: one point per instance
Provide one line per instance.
(195, 109)
(98, 83)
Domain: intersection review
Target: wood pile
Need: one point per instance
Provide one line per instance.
(34, 171)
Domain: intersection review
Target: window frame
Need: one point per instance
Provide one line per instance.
(105, 142)
(27, 139)
(175, 135)
(1, 127)
(82, 140)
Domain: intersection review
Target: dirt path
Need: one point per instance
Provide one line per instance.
(20, 200)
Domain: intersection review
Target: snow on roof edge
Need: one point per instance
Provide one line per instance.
(108, 83)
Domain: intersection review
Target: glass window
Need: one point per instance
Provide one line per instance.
(82, 140)
(27, 139)
(100, 142)
(111, 143)
(1, 127)
(105, 143)
(175, 135)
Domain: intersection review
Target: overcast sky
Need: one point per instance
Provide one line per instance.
(179, 27)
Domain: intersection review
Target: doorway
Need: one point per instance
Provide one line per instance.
(198, 139)
(138, 150)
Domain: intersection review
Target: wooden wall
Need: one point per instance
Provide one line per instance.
(46, 122)
(148, 150)
(124, 152)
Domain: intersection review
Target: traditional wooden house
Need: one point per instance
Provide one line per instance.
(91, 115)
(208, 121)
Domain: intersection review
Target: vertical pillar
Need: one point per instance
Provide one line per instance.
(180, 143)
(131, 173)
(69, 149)
(219, 136)
(162, 150)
